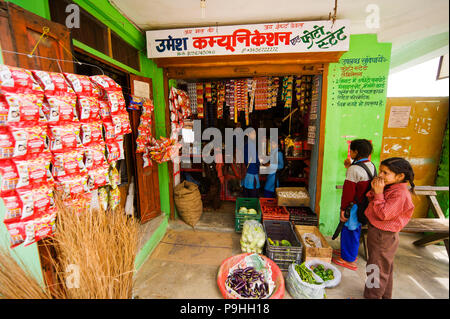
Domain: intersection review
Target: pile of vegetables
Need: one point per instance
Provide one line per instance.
(275, 211)
(244, 210)
(248, 283)
(279, 242)
(325, 274)
(306, 274)
(253, 237)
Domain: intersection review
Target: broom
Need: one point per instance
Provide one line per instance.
(16, 281)
(95, 254)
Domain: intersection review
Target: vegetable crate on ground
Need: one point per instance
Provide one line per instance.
(292, 196)
(302, 216)
(240, 217)
(271, 211)
(324, 253)
(283, 256)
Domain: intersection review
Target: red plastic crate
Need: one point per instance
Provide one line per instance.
(270, 204)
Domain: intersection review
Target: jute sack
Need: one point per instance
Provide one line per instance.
(188, 201)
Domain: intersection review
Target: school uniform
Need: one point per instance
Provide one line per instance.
(272, 182)
(356, 184)
(387, 214)
(250, 182)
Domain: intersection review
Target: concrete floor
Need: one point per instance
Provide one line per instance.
(185, 263)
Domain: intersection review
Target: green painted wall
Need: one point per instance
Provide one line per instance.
(346, 121)
(39, 7)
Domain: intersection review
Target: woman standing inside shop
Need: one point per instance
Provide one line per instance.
(250, 182)
(275, 166)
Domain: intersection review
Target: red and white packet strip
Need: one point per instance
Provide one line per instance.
(64, 137)
(98, 177)
(68, 163)
(114, 150)
(31, 231)
(94, 156)
(91, 133)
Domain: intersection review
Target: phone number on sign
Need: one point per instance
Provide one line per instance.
(257, 50)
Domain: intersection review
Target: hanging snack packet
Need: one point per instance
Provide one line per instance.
(109, 130)
(12, 176)
(13, 207)
(103, 198)
(91, 133)
(98, 177)
(17, 80)
(125, 123)
(37, 168)
(7, 143)
(27, 200)
(88, 108)
(116, 102)
(117, 125)
(16, 232)
(53, 83)
(114, 198)
(114, 176)
(94, 156)
(114, 150)
(35, 202)
(79, 203)
(82, 85)
(68, 163)
(29, 140)
(31, 231)
(105, 109)
(23, 107)
(136, 103)
(72, 185)
(105, 83)
(64, 137)
(61, 109)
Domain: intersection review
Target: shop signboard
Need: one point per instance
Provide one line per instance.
(286, 37)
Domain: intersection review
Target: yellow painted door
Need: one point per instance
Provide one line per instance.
(414, 129)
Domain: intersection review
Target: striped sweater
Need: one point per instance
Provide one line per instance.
(356, 184)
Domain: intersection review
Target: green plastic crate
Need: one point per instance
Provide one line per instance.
(240, 218)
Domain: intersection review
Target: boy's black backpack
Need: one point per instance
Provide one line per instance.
(365, 201)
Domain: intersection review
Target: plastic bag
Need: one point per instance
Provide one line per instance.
(299, 289)
(336, 273)
(253, 237)
(311, 240)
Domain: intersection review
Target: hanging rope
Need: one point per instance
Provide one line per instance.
(52, 59)
(45, 30)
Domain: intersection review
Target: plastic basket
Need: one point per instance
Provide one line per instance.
(302, 216)
(272, 203)
(283, 256)
(240, 218)
(228, 263)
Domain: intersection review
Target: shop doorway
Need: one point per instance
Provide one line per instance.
(294, 109)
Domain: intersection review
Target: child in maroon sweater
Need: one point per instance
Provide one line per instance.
(356, 184)
(390, 208)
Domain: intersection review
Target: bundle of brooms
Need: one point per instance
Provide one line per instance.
(95, 254)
